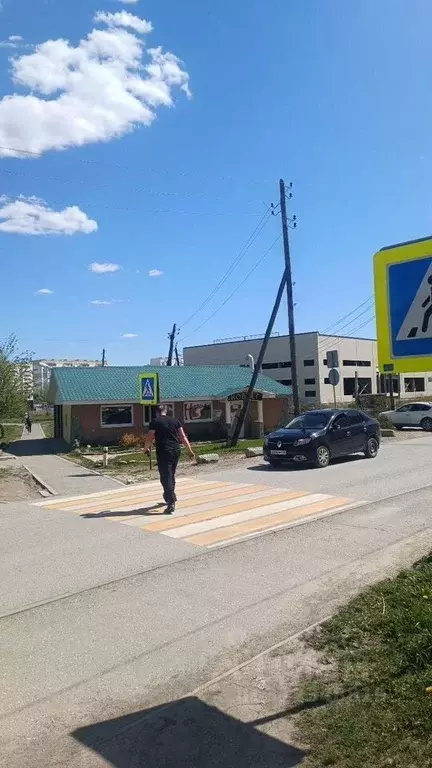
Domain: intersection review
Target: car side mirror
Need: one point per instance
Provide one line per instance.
(336, 427)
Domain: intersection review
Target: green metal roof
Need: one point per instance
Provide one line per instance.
(80, 385)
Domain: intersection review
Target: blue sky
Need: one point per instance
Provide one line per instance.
(333, 96)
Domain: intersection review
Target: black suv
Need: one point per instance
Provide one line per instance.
(317, 437)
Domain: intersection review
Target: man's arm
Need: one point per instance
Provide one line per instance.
(186, 443)
(149, 440)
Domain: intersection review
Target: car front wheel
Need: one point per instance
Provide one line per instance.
(371, 449)
(426, 424)
(322, 457)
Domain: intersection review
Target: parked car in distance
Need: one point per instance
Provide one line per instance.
(317, 437)
(411, 415)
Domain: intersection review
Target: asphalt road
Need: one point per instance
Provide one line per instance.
(102, 622)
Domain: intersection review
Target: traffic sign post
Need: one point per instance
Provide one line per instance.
(403, 303)
(148, 388)
(334, 379)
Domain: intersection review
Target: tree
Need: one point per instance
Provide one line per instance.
(13, 388)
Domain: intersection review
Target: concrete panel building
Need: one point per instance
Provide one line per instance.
(356, 355)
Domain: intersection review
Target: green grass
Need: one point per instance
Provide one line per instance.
(38, 416)
(11, 433)
(48, 427)
(377, 711)
(137, 457)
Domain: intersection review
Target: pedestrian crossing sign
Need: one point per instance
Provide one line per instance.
(403, 302)
(148, 384)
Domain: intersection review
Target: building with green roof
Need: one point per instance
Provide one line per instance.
(99, 405)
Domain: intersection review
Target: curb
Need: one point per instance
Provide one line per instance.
(40, 482)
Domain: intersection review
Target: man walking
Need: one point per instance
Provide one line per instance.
(167, 433)
(28, 422)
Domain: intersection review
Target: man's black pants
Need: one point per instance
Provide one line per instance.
(167, 460)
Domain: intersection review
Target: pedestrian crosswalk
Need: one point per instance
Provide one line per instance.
(208, 513)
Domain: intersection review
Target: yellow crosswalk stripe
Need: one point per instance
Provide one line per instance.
(125, 498)
(274, 520)
(176, 522)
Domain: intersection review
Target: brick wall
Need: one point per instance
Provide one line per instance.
(277, 412)
(86, 426)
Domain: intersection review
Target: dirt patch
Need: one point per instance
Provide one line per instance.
(16, 484)
(265, 694)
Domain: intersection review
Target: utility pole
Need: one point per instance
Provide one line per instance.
(391, 391)
(103, 359)
(232, 441)
(177, 355)
(171, 337)
(289, 287)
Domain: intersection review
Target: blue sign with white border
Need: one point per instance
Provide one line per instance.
(148, 384)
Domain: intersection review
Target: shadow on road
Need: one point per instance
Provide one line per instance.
(299, 467)
(186, 734)
(144, 511)
(43, 447)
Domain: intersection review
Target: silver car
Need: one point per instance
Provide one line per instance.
(411, 415)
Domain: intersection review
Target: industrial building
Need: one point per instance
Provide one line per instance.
(356, 356)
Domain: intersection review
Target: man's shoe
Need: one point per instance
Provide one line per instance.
(170, 509)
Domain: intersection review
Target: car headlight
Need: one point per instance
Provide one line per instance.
(302, 441)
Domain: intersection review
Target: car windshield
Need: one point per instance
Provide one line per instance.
(317, 420)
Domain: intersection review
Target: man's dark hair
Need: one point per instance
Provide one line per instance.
(161, 410)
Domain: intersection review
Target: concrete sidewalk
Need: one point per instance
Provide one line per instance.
(38, 454)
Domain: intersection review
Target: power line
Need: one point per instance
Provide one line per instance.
(332, 343)
(101, 185)
(257, 231)
(210, 317)
(158, 210)
(339, 331)
(181, 174)
(330, 327)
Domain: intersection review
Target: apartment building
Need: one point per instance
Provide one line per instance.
(356, 356)
(158, 361)
(42, 369)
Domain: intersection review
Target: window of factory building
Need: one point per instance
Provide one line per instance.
(309, 363)
(414, 384)
(364, 386)
(357, 363)
(285, 382)
(310, 393)
(309, 381)
(327, 380)
(282, 364)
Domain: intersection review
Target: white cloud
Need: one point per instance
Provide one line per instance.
(97, 90)
(100, 269)
(43, 292)
(101, 303)
(124, 19)
(13, 41)
(129, 2)
(32, 216)
(155, 273)
(129, 335)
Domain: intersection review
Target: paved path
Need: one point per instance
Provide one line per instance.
(102, 622)
(66, 478)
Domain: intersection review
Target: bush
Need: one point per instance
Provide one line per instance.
(132, 441)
